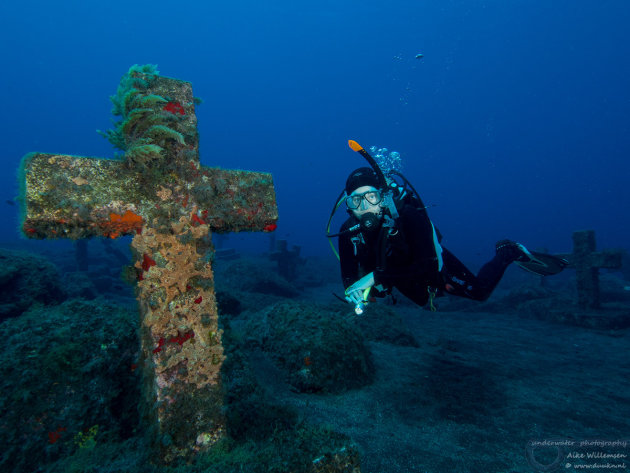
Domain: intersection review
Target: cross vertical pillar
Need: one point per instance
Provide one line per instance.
(587, 275)
(180, 337)
(587, 261)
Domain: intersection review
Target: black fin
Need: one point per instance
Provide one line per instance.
(543, 264)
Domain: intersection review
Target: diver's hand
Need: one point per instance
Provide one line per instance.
(354, 293)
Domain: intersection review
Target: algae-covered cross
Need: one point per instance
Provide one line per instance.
(587, 262)
(160, 194)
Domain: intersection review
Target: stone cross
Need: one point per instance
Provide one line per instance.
(586, 262)
(159, 193)
(287, 260)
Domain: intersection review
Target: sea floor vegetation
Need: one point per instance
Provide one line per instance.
(463, 389)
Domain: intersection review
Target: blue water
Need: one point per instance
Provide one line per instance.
(515, 123)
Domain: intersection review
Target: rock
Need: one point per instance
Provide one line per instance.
(90, 285)
(73, 368)
(26, 279)
(317, 349)
(228, 304)
(525, 293)
(380, 323)
(613, 289)
(79, 285)
(249, 276)
(613, 316)
(539, 303)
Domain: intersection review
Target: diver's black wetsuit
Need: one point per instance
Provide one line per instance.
(414, 261)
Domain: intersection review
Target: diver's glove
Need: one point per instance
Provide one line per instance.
(358, 292)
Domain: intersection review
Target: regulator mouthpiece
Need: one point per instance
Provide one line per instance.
(369, 221)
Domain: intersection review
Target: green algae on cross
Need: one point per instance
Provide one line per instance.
(159, 177)
(158, 192)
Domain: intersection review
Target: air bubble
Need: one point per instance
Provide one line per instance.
(387, 160)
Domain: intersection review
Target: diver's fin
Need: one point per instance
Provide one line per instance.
(543, 264)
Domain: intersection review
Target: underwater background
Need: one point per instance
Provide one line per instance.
(512, 120)
(514, 123)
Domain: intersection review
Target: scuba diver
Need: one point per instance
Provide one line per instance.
(389, 241)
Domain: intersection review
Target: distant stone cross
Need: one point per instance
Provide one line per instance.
(162, 196)
(586, 262)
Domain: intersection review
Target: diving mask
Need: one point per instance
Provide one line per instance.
(373, 197)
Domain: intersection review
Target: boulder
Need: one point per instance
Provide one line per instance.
(317, 348)
(72, 377)
(27, 279)
(249, 276)
(381, 323)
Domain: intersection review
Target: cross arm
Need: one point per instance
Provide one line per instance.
(65, 196)
(609, 259)
(235, 200)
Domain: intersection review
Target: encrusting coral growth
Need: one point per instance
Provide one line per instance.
(180, 327)
(177, 292)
